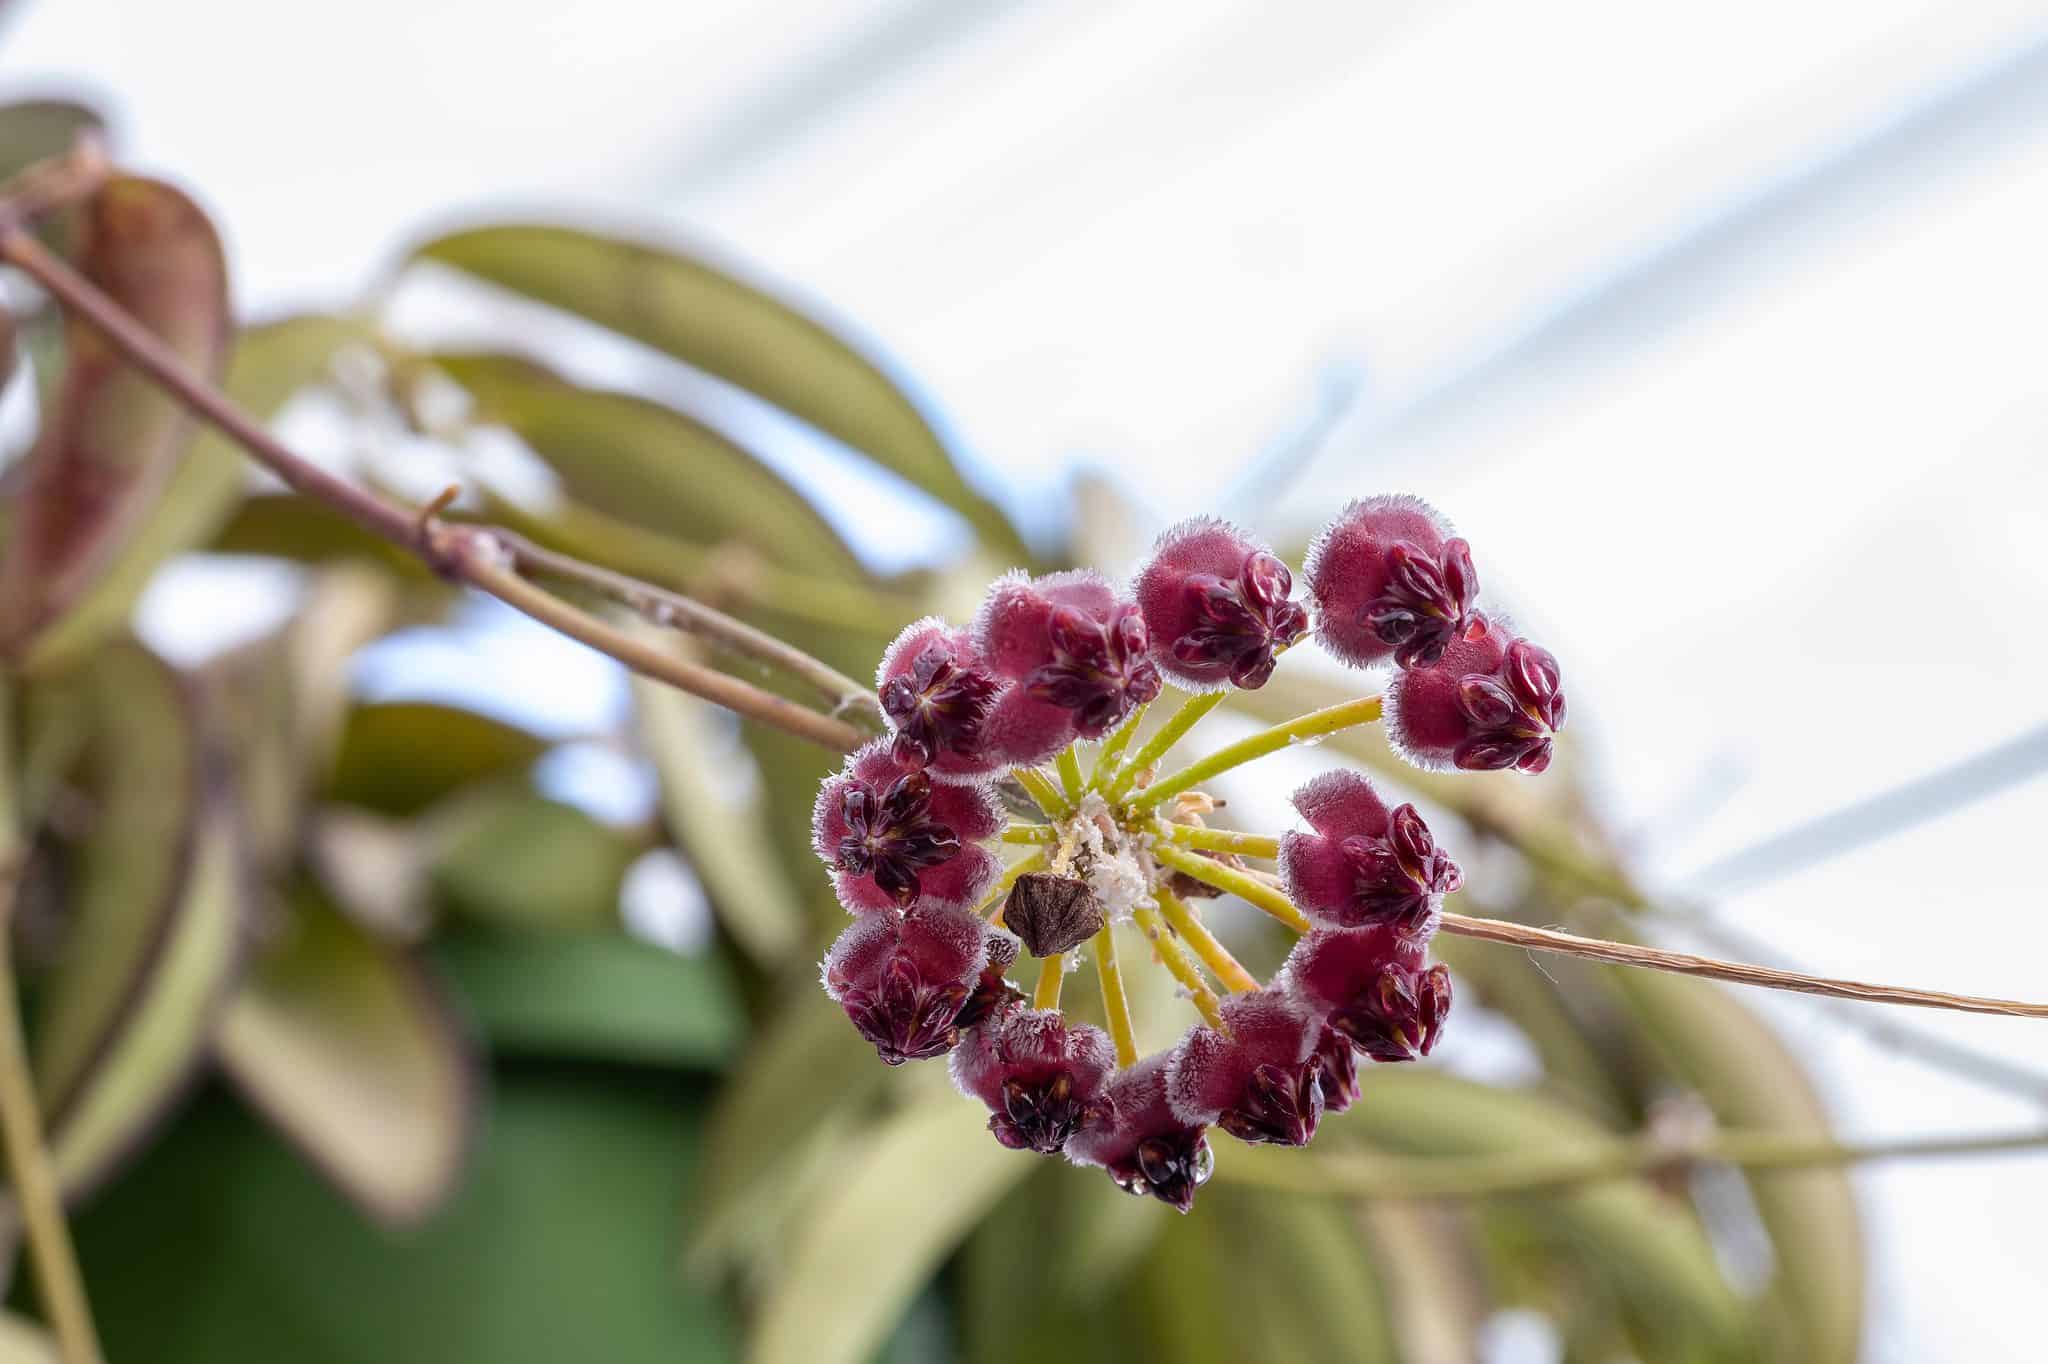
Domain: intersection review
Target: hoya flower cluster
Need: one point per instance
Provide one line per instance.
(1051, 666)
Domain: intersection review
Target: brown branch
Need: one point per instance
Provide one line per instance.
(1739, 973)
(468, 554)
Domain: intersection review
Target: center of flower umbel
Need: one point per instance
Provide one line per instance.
(1048, 690)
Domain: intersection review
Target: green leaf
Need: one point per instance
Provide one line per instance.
(1645, 1251)
(32, 130)
(400, 757)
(927, 1176)
(111, 438)
(708, 317)
(521, 860)
(1753, 1082)
(287, 526)
(270, 364)
(223, 1248)
(652, 466)
(699, 758)
(595, 997)
(351, 1050)
(1024, 1294)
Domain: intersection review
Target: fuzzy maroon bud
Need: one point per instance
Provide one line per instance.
(1362, 863)
(1145, 1147)
(1336, 1070)
(1040, 1076)
(1389, 580)
(1051, 914)
(1372, 987)
(1261, 1083)
(1077, 659)
(935, 695)
(903, 979)
(1217, 605)
(1492, 701)
(895, 838)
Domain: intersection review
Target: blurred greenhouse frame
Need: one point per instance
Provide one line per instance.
(347, 1050)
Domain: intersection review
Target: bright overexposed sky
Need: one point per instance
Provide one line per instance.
(1719, 330)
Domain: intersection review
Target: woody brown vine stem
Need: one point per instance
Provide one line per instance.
(486, 558)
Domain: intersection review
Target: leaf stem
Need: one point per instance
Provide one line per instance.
(468, 554)
(1030, 834)
(30, 1171)
(1182, 967)
(1221, 840)
(1069, 766)
(1041, 790)
(1113, 747)
(1116, 1003)
(1052, 974)
(1196, 934)
(1303, 728)
(1358, 1175)
(1250, 889)
(1177, 724)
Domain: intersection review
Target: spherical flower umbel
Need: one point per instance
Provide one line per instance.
(1261, 1081)
(1494, 700)
(1389, 580)
(895, 838)
(914, 833)
(1076, 657)
(1371, 985)
(1146, 1147)
(1361, 863)
(935, 693)
(1217, 605)
(904, 979)
(1040, 1075)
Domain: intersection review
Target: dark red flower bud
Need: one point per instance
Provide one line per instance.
(1078, 659)
(1371, 986)
(1362, 863)
(935, 694)
(1261, 1083)
(905, 978)
(1493, 701)
(993, 995)
(1217, 605)
(1040, 1076)
(896, 839)
(1336, 1070)
(1390, 581)
(1146, 1148)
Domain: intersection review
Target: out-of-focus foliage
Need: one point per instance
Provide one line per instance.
(460, 1112)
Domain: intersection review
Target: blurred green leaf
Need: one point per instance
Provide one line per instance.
(287, 526)
(1250, 1276)
(1023, 1296)
(400, 757)
(111, 439)
(651, 465)
(513, 857)
(926, 1176)
(708, 317)
(221, 1248)
(1648, 1252)
(1752, 1082)
(716, 811)
(1428, 1269)
(31, 130)
(270, 364)
(595, 997)
(350, 1048)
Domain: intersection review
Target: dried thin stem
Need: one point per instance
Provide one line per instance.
(1052, 974)
(1182, 967)
(1302, 729)
(1196, 934)
(1375, 1176)
(676, 611)
(1687, 964)
(468, 554)
(1248, 888)
(30, 1170)
(1177, 724)
(1116, 1003)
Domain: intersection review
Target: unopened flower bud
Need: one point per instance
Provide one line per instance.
(1361, 863)
(1259, 1083)
(1372, 986)
(903, 979)
(1493, 701)
(896, 839)
(935, 694)
(1217, 605)
(1389, 580)
(1076, 660)
(1146, 1147)
(1040, 1076)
